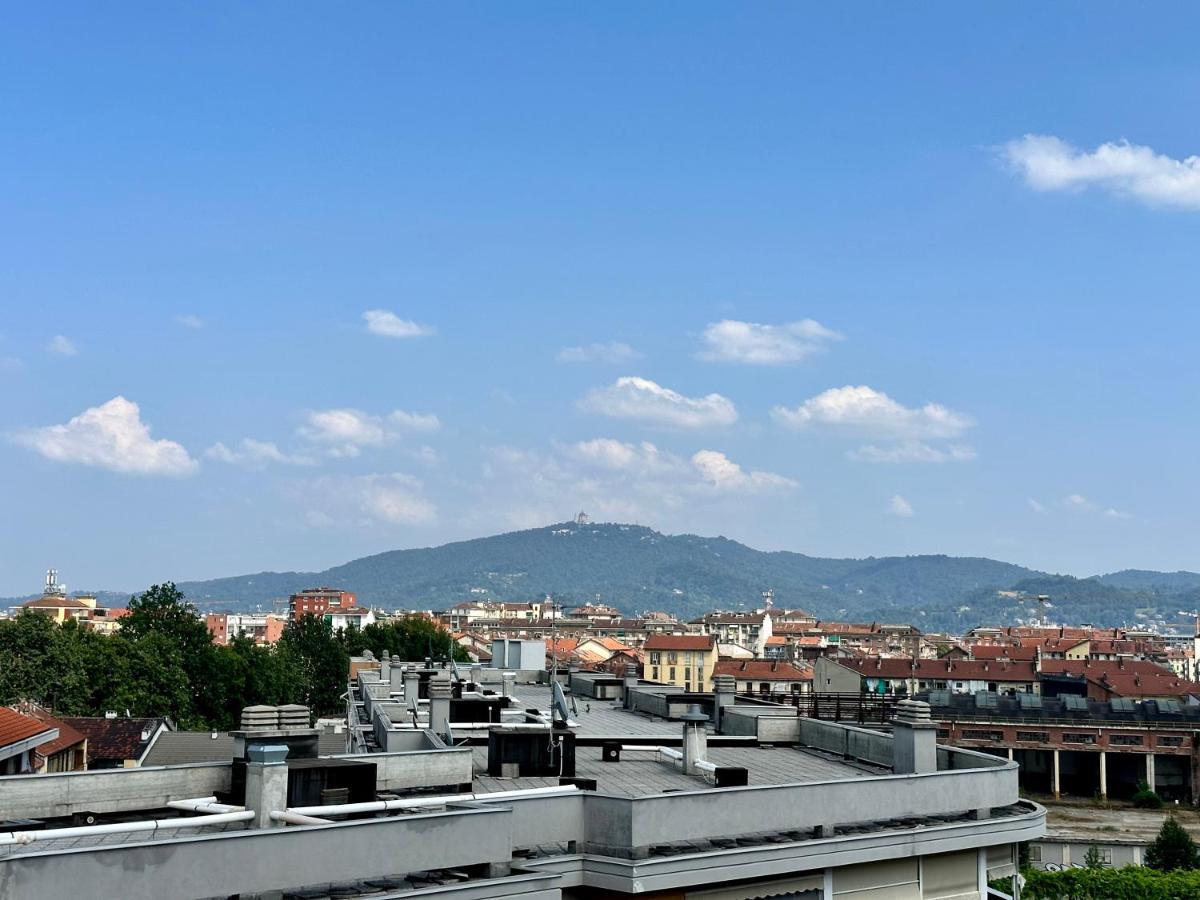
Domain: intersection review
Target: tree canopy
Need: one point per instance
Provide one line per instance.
(162, 662)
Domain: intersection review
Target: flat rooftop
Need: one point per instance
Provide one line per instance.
(640, 773)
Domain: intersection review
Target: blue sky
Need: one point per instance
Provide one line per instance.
(824, 291)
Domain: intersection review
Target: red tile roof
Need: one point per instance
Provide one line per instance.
(943, 669)
(680, 642)
(15, 726)
(114, 740)
(763, 670)
(67, 736)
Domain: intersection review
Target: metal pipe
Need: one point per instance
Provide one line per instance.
(421, 802)
(292, 818)
(28, 837)
(203, 804)
(669, 752)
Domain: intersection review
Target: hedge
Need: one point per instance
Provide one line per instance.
(1129, 883)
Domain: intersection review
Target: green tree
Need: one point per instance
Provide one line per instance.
(410, 637)
(321, 661)
(1172, 849)
(1093, 859)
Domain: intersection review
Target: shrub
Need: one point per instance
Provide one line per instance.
(1147, 799)
(1129, 883)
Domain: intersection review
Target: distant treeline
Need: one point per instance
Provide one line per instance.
(162, 662)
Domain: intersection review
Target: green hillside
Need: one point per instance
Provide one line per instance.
(637, 569)
(632, 567)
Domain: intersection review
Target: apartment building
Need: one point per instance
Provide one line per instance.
(684, 660)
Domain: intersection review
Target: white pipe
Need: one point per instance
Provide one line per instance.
(203, 804)
(669, 752)
(292, 818)
(421, 802)
(28, 837)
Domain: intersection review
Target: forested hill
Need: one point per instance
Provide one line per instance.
(632, 567)
(638, 569)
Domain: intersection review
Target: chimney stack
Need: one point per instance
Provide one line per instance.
(914, 739)
(439, 703)
(724, 694)
(266, 782)
(412, 688)
(695, 739)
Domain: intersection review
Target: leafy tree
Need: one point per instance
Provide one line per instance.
(1172, 849)
(1093, 859)
(321, 661)
(409, 637)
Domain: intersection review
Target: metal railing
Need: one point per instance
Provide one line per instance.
(860, 709)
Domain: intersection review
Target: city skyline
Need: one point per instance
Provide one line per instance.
(847, 285)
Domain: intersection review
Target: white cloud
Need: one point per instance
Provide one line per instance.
(1039, 508)
(612, 352)
(255, 454)
(62, 346)
(619, 481)
(344, 432)
(1128, 170)
(410, 421)
(898, 506)
(726, 475)
(643, 400)
(864, 410)
(190, 321)
(387, 324)
(111, 436)
(764, 345)
(1080, 503)
(912, 452)
(366, 500)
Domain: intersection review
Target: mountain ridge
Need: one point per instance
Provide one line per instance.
(636, 569)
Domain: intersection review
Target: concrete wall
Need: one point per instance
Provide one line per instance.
(420, 768)
(108, 790)
(263, 861)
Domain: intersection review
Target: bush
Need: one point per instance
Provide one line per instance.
(1147, 799)
(1129, 883)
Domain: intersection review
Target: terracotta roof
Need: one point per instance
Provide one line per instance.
(15, 726)
(1127, 678)
(763, 670)
(942, 669)
(996, 651)
(67, 736)
(680, 642)
(114, 740)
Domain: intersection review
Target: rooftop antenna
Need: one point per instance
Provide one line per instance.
(768, 599)
(53, 588)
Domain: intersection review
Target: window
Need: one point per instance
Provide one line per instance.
(976, 734)
(1169, 741)
(672, 676)
(1072, 738)
(1126, 740)
(1040, 737)
(654, 660)
(672, 657)
(1035, 852)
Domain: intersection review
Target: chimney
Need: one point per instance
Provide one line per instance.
(508, 681)
(412, 688)
(695, 739)
(439, 703)
(385, 667)
(914, 739)
(724, 694)
(266, 782)
(631, 681)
